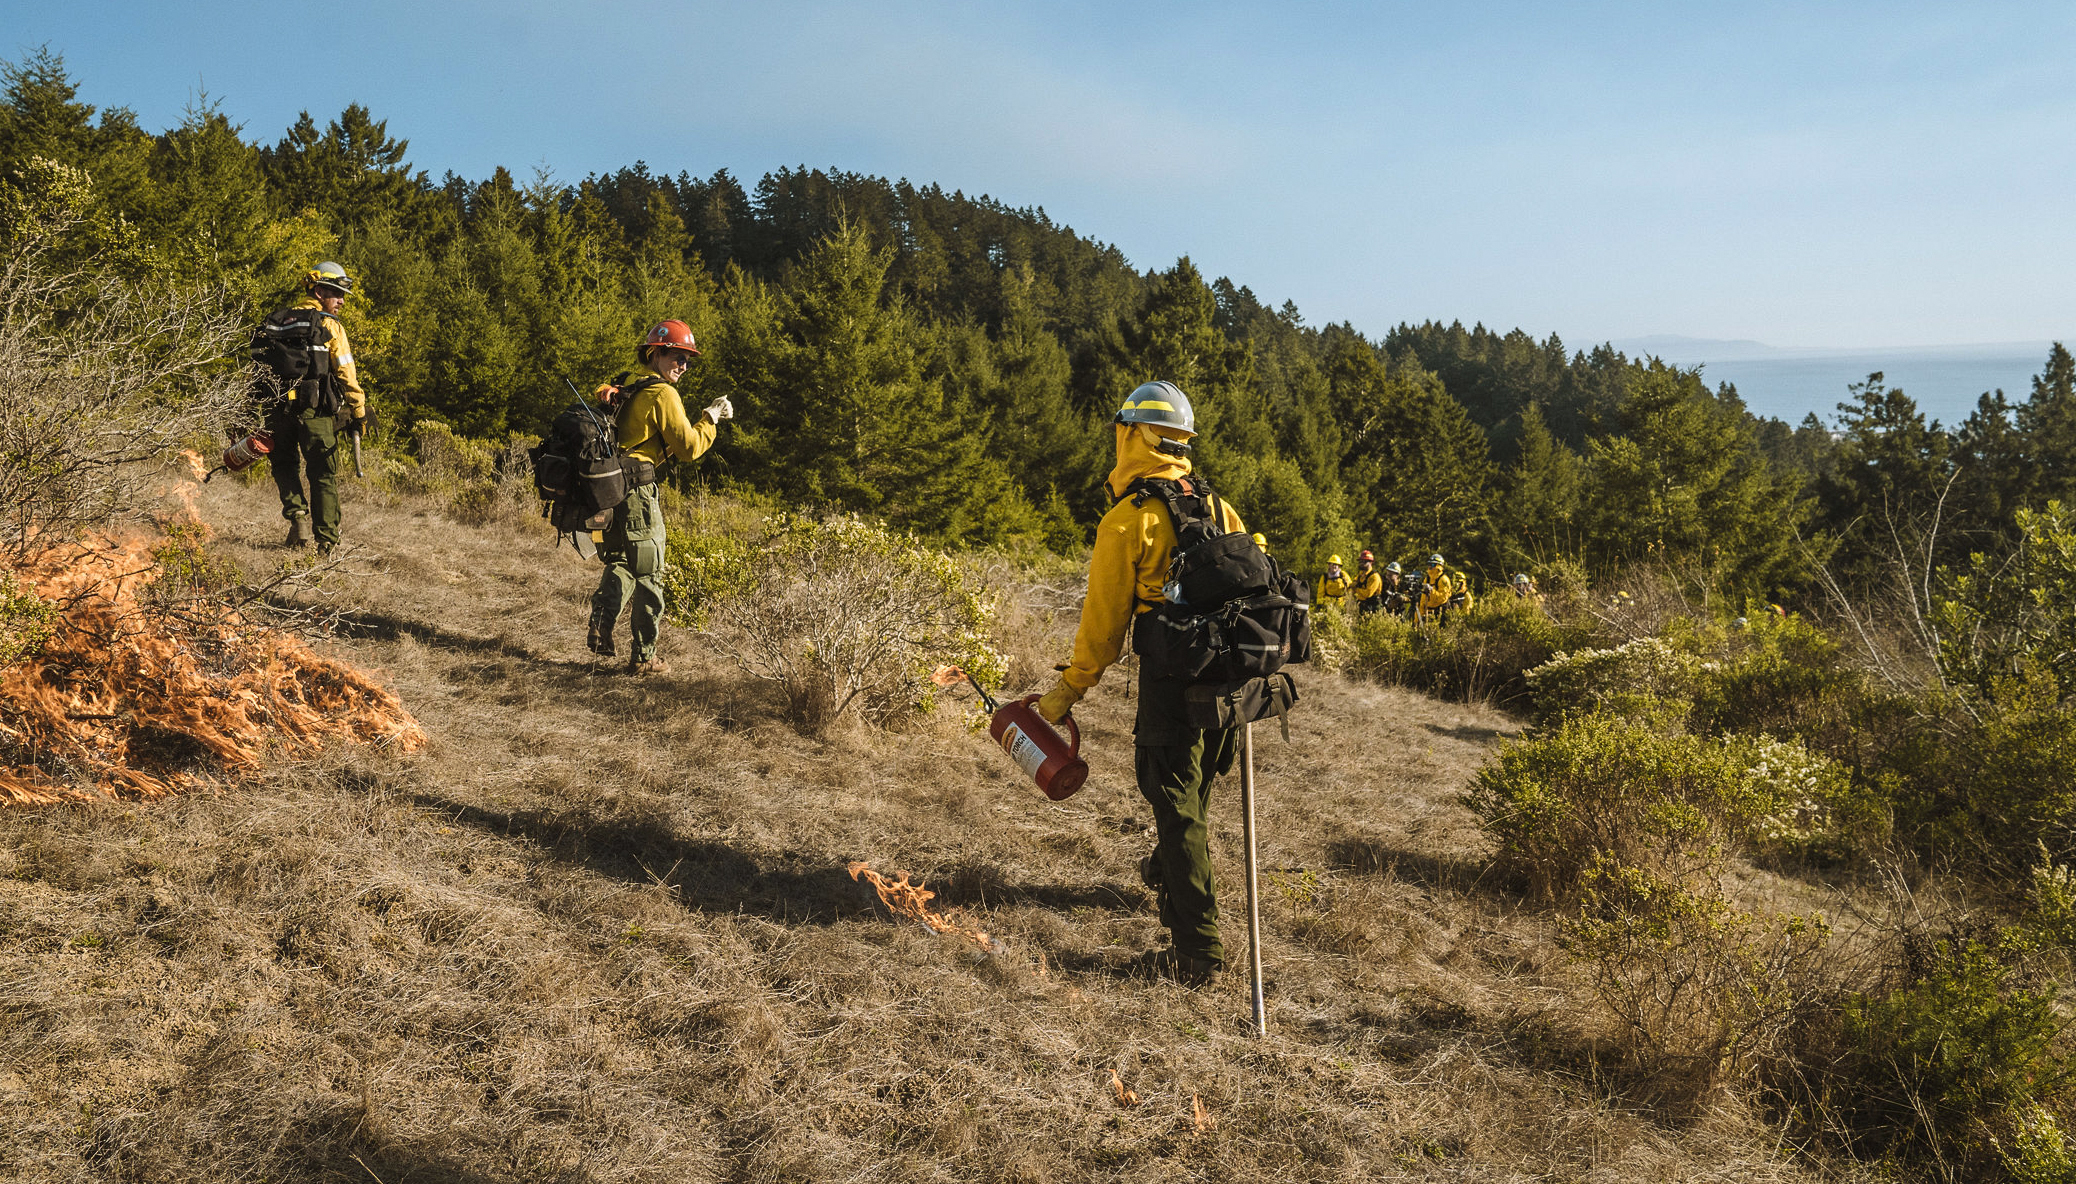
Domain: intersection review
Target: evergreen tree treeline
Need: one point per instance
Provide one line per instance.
(951, 363)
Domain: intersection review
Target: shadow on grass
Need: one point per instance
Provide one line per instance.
(1374, 858)
(708, 876)
(1473, 733)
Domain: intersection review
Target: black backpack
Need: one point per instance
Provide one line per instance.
(294, 353)
(578, 471)
(1231, 613)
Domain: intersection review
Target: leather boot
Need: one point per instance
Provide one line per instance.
(298, 532)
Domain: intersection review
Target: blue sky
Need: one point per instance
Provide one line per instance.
(1843, 175)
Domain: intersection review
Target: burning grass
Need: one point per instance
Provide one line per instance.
(912, 901)
(128, 702)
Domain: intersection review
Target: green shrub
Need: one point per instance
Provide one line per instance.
(1481, 655)
(1647, 677)
(1641, 791)
(1946, 1069)
(2039, 1153)
(1783, 677)
(1703, 992)
(1806, 805)
(1638, 791)
(26, 620)
(843, 615)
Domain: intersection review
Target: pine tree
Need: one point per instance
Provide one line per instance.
(855, 421)
(1887, 494)
(2047, 420)
(1684, 482)
(1538, 514)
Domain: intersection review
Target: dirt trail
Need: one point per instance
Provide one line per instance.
(602, 929)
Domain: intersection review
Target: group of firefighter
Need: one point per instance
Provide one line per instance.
(1176, 761)
(307, 421)
(1434, 594)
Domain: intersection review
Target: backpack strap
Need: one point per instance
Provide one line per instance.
(1188, 500)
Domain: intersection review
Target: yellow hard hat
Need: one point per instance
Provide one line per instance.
(1261, 540)
(1333, 561)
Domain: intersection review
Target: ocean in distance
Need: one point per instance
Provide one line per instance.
(1789, 384)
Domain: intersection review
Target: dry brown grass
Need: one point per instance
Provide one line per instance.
(601, 930)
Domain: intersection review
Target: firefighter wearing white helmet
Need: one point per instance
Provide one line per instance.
(1176, 762)
(653, 428)
(311, 393)
(1438, 590)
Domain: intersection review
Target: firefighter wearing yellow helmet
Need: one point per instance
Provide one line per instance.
(653, 428)
(310, 391)
(1261, 540)
(1331, 589)
(1176, 761)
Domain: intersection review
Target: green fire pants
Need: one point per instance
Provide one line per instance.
(1176, 765)
(633, 556)
(305, 439)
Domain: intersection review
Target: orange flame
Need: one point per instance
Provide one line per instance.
(945, 676)
(119, 702)
(913, 901)
(1125, 1097)
(196, 466)
(1202, 1118)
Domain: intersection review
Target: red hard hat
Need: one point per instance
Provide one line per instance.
(672, 335)
(1367, 555)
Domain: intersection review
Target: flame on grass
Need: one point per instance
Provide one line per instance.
(1202, 1117)
(904, 899)
(121, 701)
(1125, 1097)
(196, 466)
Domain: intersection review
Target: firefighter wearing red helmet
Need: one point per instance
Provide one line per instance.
(1368, 592)
(653, 429)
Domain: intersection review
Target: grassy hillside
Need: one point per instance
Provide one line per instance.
(601, 929)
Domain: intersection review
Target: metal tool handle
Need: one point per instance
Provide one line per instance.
(1261, 1009)
(357, 470)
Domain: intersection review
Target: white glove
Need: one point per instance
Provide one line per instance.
(720, 409)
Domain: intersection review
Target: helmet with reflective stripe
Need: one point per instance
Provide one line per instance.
(1393, 566)
(1159, 403)
(670, 335)
(329, 275)
(1366, 557)
(1434, 560)
(1333, 561)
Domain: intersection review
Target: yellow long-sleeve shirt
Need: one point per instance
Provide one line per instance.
(1331, 589)
(1439, 589)
(352, 399)
(654, 423)
(1368, 585)
(1125, 573)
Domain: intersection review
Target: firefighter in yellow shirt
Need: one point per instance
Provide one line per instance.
(1333, 587)
(653, 428)
(1368, 590)
(306, 412)
(1437, 590)
(1176, 761)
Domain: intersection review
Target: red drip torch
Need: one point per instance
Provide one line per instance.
(1054, 763)
(244, 454)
